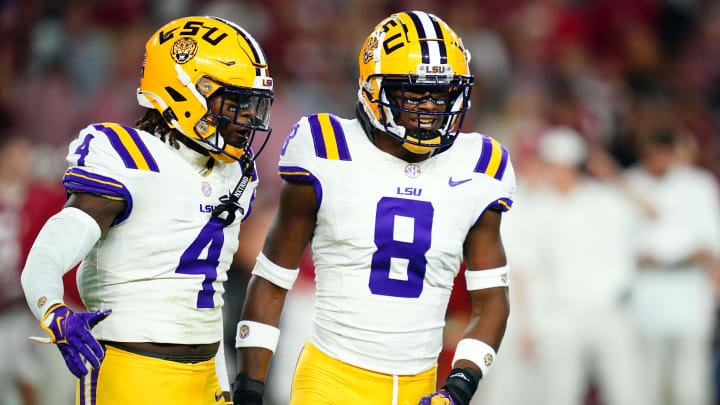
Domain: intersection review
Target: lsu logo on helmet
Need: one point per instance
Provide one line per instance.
(370, 48)
(407, 50)
(191, 59)
(183, 50)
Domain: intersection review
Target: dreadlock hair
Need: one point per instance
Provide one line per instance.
(154, 123)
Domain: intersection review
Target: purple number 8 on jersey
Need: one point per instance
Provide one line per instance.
(387, 247)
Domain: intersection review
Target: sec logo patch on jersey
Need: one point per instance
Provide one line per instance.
(206, 189)
(412, 171)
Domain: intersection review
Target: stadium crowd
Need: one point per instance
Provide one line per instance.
(609, 108)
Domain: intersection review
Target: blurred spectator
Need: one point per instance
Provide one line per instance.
(19, 368)
(678, 254)
(574, 264)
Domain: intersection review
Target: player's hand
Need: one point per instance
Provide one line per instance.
(247, 391)
(437, 398)
(71, 332)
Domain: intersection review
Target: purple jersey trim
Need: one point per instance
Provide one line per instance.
(318, 140)
(152, 164)
(503, 164)
(342, 147)
(120, 148)
(78, 180)
(486, 155)
(503, 204)
(117, 145)
(338, 137)
(294, 173)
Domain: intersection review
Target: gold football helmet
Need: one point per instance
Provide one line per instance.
(416, 51)
(193, 58)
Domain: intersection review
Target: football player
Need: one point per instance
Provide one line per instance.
(154, 213)
(391, 202)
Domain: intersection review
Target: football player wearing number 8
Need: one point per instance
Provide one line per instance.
(154, 214)
(391, 202)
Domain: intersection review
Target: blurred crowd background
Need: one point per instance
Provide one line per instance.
(610, 110)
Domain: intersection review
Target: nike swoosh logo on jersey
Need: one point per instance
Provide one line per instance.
(457, 183)
(218, 397)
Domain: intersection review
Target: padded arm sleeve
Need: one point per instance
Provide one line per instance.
(65, 239)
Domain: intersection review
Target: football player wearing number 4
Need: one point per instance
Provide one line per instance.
(391, 202)
(154, 214)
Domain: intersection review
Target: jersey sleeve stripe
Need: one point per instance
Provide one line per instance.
(342, 146)
(117, 145)
(318, 140)
(129, 146)
(503, 163)
(151, 163)
(294, 173)
(78, 180)
(328, 137)
(493, 159)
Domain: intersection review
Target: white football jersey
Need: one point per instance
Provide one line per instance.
(162, 264)
(389, 236)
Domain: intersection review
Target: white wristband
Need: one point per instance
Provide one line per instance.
(481, 279)
(477, 351)
(256, 334)
(280, 276)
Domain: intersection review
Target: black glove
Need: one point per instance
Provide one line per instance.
(247, 391)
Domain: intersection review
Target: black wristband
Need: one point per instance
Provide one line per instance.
(461, 384)
(247, 391)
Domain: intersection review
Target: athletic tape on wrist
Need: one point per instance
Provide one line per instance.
(481, 279)
(477, 351)
(280, 276)
(256, 334)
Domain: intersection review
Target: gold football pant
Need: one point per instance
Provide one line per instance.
(322, 380)
(125, 378)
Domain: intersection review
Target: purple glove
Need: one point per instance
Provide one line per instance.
(71, 332)
(437, 398)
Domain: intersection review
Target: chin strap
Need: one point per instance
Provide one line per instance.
(230, 204)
